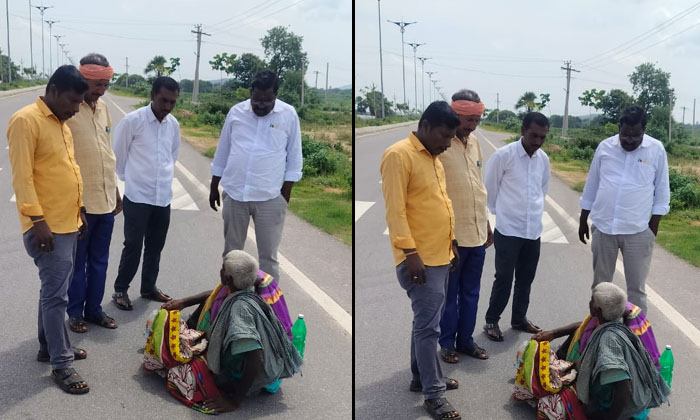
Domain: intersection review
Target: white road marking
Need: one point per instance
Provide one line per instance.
(675, 317)
(550, 231)
(13, 199)
(181, 199)
(386, 231)
(361, 207)
(117, 106)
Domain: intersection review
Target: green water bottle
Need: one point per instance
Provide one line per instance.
(299, 334)
(666, 362)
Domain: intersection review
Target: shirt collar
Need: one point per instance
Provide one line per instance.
(521, 149)
(45, 108)
(416, 143)
(645, 141)
(151, 116)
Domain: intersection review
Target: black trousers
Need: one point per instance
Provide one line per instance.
(145, 227)
(517, 255)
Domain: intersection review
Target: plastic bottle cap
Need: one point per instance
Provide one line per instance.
(301, 316)
(668, 346)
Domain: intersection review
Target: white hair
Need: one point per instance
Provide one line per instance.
(611, 299)
(242, 267)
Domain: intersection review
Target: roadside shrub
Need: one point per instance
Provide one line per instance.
(322, 158)
(685, 190)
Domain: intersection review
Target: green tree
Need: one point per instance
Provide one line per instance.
(283, 51)
(28, 71)
(592, 99)
(223, 62)
(651, 86)
(529, 101)
(613, 103)
(3, 69)
(290, 89)
(246, 66)
(158, 65)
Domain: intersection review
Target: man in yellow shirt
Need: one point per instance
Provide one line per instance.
(91, 128)
(48, 188)
(421, 228)
(465, 187)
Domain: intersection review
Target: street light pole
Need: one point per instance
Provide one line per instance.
(58, 38)
(50, 23)
(43, 57)
(63, 51)
(402, 25)
(9, 61)
(415, 46)
(422, 77)
(430, 90)
(381, 65)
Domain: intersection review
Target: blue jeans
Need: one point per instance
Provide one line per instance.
(88, 286)
(458, 320)
(428, 303)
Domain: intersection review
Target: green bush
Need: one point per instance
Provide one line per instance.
(322, 158)
(685, 190)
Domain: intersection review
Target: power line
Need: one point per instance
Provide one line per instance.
(243, 13)
(273, 13)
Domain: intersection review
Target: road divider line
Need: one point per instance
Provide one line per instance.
(117, 106)
(361, 207)
(675, 317)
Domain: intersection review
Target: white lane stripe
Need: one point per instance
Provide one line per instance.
(326, 302)
(117, 106)
(676, 318)
(550, 231)
(386, 231)
(361, 207)
(13, 199)
(181, 199)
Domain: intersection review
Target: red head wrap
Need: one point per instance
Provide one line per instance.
(96, 72)
(462, 107)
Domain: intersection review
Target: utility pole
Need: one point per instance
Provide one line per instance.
(62, 50)
(381, 64)
(415, 46)
(430, 90)
(422, 77)
(316, 82)
(302, 83)
(127, 71)
(195, 88)
(50, 23)
(58, 38)
(9, 61)
(683, 120)
(43, 57)
(498, 107)
(692, 130)
(31, 48)
(402, 25)
(565, 123)
(327, 65)
(670, 113)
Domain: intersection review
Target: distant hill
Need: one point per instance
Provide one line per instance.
(588, 117)
(344, 87)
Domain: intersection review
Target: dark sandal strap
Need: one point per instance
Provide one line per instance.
(439, 407)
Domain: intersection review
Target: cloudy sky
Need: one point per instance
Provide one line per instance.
(508, 47)
(141, 29)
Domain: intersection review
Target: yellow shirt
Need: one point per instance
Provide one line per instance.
(45, 176)
(465, 187)
(418, 211)
(93, 152)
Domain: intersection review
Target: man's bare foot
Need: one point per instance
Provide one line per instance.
(220, 404)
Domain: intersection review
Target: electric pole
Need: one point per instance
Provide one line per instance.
(430, 90)
(692, 130)
(683, 120)
(381, 64)
(31, 48)
(127, 71)
(50, 23)
(498, 107)
(670, 113)
(415, 46)
(402, 25)
(565, 123)
(195, 88)
(327, 65)
(43, 56)
(58, 38)
(316, 82)
(62, 50)
(422, 77)
(302, 83)
(9, 61)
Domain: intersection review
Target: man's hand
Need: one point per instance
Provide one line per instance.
(43, 236)
(214, 196)
(286, 190)
(416, 269)
(173, 305)
(543, 336)
(583, 226)
(119, 206)
(455, 261)
(489, 235)
(654, 223)
(82, 230)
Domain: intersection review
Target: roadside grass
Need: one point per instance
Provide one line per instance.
(498, 129)
(129, 93)
(328, 208)
(21, 84)
(679, 232)
(373, 122)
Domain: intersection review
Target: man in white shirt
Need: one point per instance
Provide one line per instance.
(257, 161)
(516, 179)
(146, 143)
(626, 193)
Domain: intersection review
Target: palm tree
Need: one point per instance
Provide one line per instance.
(527, 101)
(157, 65)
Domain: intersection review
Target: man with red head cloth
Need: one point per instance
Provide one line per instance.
(463, 164)
(91, 128)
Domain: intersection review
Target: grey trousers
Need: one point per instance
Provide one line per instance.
(636, 256)
(55, 273)
(428, 304)
(268, 217)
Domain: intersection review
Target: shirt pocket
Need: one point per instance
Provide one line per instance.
(644, 172)
(276, 138)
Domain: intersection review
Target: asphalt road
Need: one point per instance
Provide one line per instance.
(560, 295)
(316, 280)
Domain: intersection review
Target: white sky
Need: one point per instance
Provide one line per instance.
(145, 28)
(510, 46)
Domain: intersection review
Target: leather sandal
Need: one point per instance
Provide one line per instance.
(158, 296)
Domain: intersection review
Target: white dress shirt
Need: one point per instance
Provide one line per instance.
(255, 154)
(516, 185)
(146, 150)
(624, 189)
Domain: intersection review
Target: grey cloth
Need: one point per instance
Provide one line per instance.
(268, 217)
(244, 315)
(636, 255)
(428, 304)
(614, 346)
(55, 273)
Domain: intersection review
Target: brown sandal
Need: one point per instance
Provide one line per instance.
(449, 355)
(493, 332)
(77, 324)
